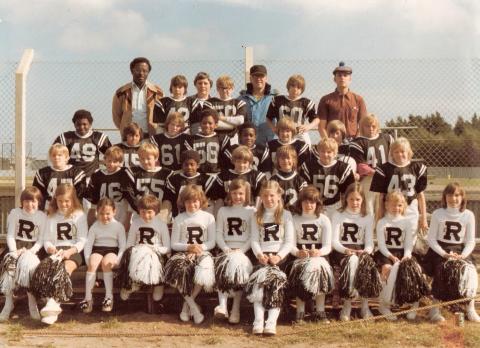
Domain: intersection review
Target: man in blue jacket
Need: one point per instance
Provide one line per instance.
(258, 96)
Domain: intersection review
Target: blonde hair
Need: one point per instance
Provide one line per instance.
(146, 149)
(396, 196)
(368, 120)
(401, 143)
(235, 185)
(175, 117)
(286, 151)
(274, 186)
(327, 144)
(335, 125)
(192, 192)
(69, 191)
(296, 80)
(287, 123)
(354, 188)
(57, 147)
(450, 190)
(242, 153)
(226, 81)
(115, 153)
(309, 193)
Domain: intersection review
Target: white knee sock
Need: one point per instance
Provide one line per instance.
(222, 300)
(364, 303)
(196, 290)
(8, 307)
(108, 280)
(32, 306)
(320, 303)
(237, 299)
(259, 313)
(273, 314)
(300, 305)
(89, 284)
(158, 292)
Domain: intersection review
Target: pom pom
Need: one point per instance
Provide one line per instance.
(232, 271)
(310, 277)
(267, 284)
(204, 272)
(122, 277)
(411, 284)
(26, 265)
(454, 279)
(348, 269)
(145, 266)
(51, 279)
(179, 273)
(367, 279)
(7, 272)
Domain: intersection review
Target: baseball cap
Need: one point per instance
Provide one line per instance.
(258, 70)
(342, 68)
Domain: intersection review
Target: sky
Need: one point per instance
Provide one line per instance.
(408, 56)
(217, 29)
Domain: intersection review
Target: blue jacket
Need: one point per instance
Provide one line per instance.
(257, 109)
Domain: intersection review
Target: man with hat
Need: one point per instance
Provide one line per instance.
(342, 104)
(258, 96)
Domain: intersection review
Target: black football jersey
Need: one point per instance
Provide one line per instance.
(211, 150)
(117, 186)
(259, 158)
(229, 108)
(167, 105)
(130, 155)
(151, 182)
(47, 180)
(170, 149)
(373, 152)
(344, 148)
(253, 177)
(198, 105)
(292, 184)
(410, 180)
(301, 110)
(331, 180)
(177, 182)
(85, 151)
(301, 147)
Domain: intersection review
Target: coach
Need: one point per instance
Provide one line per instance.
(258, 96)
(134, 101)
(342, 104)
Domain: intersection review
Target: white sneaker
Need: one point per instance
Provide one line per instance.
(384, 310)
(185, 313)
(52, 308)
(345, 313)
(198, 317)
(125, 293)
(473, 316)
(49, 320)
(234, 317)
(270, 329)
(257, 327)
(220, 313)
(435, 315)
(6, 313)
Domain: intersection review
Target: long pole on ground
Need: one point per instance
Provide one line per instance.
(20, 116)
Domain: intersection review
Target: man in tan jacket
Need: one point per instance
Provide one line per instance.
(134, 101)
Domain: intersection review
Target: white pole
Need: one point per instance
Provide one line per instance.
(248, 63)
(20, 113)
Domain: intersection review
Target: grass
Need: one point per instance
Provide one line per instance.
(111, 323)
(14, 332)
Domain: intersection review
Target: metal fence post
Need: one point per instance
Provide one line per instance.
(20, 115)
(248, 63)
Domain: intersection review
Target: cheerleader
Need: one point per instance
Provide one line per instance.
(449, 260)
(105, 245)
(395, 244)
(65, 236)
(352, 230)
(147, 245)
(25, 226)
(272, 240)
(193, 236)
(311, 275)
(233, 267)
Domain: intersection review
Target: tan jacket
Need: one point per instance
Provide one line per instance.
(122, 105)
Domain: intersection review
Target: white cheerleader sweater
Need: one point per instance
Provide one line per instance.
(452, 226)
(105, 235)
(272, 237)
(193, 228)
(233, 227)
(154, 233)
(352, 228)
(64, 231)
(26, 227)
(395, 232)
(310, 229)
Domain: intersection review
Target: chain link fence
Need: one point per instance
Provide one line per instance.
(428, 95)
